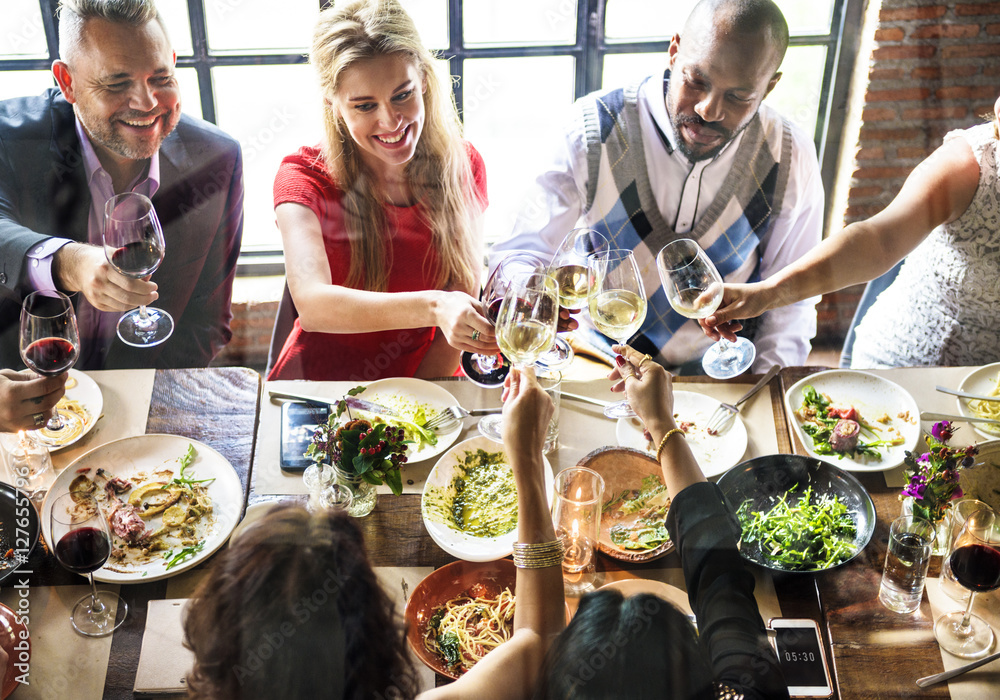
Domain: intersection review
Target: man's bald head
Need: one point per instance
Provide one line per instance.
(759, 18)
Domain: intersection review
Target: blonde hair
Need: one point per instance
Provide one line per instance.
(439, 175)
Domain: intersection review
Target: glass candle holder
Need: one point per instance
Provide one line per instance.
(576, 515)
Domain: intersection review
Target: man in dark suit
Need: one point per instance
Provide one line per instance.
(113, 126)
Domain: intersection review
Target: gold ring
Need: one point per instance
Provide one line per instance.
(39, 419)
(475, 334)
(644, 358)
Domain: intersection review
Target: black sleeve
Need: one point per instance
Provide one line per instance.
(721, 593)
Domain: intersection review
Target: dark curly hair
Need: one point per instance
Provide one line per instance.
(293, 610)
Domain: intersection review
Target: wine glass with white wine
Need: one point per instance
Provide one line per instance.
(526, 329)
(694, 289)
(617, 301)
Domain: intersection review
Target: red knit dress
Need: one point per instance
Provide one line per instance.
(302, 178)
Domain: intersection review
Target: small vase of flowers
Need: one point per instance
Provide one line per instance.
(364, 454)
(934, 482)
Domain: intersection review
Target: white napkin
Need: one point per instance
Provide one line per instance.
(163, 660)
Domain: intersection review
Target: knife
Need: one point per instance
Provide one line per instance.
(946, 390)
(352, 401)
(925, 415)
(948, 675)
(585, 399)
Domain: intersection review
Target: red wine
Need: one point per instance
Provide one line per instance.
(977, 567)
(83, 550)
(493, 310)
(137, 259)
(50, 356)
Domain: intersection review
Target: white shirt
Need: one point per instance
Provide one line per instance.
(684, 190)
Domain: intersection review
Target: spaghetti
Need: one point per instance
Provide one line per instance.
(467, 628)
(988, 409)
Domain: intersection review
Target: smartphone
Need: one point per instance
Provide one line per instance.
(298, 423)
(801, 657)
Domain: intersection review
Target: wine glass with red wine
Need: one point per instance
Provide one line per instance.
(489, 371)
(82, 541)
(975, 561)
(49, 339)
(134, 245)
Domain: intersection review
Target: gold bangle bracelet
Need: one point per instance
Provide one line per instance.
(538, 555)
(663, 440)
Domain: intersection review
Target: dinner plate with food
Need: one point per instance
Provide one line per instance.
(715, 453)
(634, 514)
(415, 401)
(984, 381)
(858, 421)
(469, 502)
(170, 502)
(80, 408)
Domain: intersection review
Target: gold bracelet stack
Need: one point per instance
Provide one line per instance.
(538, 555)
(663, 440)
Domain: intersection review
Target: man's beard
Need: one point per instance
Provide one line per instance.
(695, 120)
(110, 138)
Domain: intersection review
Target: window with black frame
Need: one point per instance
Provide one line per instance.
(515, 67)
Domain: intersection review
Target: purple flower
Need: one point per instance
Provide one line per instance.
(942, 431)
(958, 493)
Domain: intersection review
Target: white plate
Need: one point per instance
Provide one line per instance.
(980, 381)
(634, 586)
(456, 543)
(146, 453)
(419, 391)
(90, 397)
(715, 453)
(872, 396)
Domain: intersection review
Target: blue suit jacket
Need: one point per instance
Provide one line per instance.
(43, 193)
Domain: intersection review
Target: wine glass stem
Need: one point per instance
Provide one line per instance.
(96, 606)
(967, 617)
(143, 316)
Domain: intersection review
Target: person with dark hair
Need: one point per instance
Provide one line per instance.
(944, 224)
(642, 647)
(691, 154)
(113, 126)
(293, 609)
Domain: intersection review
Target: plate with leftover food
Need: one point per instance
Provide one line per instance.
(634, 513)
(715, 453)
(469, 502)
(80, 407)
(170, 502)
(984, 381)
(18, 529)
(415, 401)
(460, 613)
(855, 420)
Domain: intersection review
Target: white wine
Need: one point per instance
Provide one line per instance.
(695, 303)
(523, 341)
(618, 313)
(572, 281)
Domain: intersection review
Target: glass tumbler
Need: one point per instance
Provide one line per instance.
(576, 514)
(906, 562)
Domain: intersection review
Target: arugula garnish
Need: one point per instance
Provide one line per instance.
(820, 428)
(183, 479)
(183, 555)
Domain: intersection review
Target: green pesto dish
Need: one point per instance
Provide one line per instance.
(481, 499)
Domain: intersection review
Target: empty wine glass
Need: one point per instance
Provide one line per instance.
(82, 544)
(569, 269)
(617, 300)
(975, 562)
(134, 245)
(489, 371)
(526, 329)
(693, 287)
(49, 339)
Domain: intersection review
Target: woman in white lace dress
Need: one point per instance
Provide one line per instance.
(942, 307)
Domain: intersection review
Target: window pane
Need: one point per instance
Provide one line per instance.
(175, 16)
(636, 20)
(807, 16)
(797, 94)
(514, 109)
(187, 79)
(23, 33)
(431, 18)
(256, 25)
(285, 115)
(519, 22)
(24, 83)
(624, 68)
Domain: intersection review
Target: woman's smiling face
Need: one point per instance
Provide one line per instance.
(382, 103)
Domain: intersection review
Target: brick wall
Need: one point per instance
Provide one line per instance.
(934, 67)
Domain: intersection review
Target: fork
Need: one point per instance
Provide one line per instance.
(447, 419)
(726, 412)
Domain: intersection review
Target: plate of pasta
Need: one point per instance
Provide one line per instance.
(984, 381)
(80, 408)
(460, 613)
